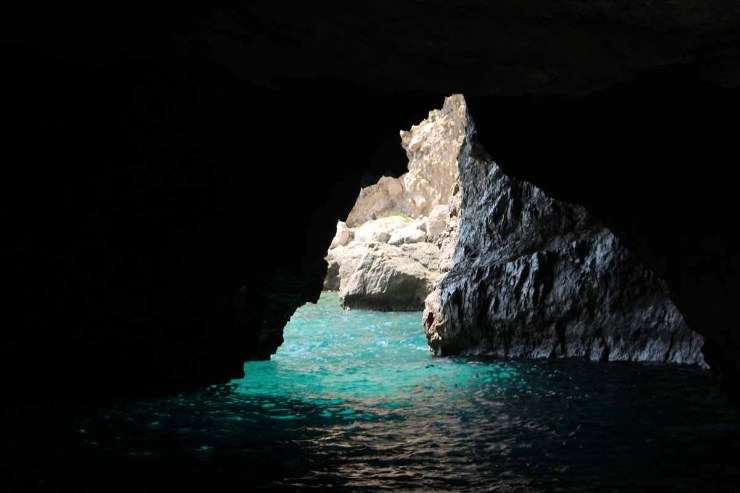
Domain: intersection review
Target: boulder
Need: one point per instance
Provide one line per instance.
(343, 235)
(380, 230)
(392, 278)
(381, 258)
(437, 221)
(342, 262)
(371, 273)
(432, 148)
(409, 234)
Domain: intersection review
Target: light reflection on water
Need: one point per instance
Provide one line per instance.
(354, 400)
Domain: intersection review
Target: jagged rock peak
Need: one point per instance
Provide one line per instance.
(535, 277)
(432, 147)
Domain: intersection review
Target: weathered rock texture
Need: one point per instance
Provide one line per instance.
(534, 277)
(388, 265)
(432, 148)
(392, 278)
(386, 257)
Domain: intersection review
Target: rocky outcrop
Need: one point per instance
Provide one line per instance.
(377, 200)
(533, 277)
(392, 278)
(432, 148)
(342, 259)
(389, 265)
(386, 256)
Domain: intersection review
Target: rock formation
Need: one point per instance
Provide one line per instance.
(135, 249)
(431, 147)
(386, 256)
(391, 264)
(534, 277)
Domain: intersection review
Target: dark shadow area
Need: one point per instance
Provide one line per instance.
(149, 155)
(535, 425)
(650, 158)
(172, 177)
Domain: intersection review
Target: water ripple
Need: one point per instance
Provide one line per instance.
(353, 400)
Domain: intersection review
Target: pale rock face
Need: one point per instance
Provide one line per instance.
(420, 224)
(378, 200)
(343, 258)
(343, 236)
(393, 186)
(409, 234)
(391, 278)
(369, 273)
(532, 277)
(390, 261)
(432, 147)
(342, 263)
(380, 230)
(437, 221)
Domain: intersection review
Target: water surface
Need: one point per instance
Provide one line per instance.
(354, 401)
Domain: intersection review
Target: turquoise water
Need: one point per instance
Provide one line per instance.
(354, 401)
(363, 362)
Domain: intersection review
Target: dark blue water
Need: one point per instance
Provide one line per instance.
(354, 401)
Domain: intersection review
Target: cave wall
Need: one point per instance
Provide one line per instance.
(144, 211)
(131, 222)
(650, 159)
(534, 277)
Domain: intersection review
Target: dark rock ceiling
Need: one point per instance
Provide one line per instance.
(131, 205)
(472, 46)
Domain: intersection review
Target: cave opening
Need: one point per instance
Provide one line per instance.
(355, 398)
(398, 238)
(529, 277)
(150, 156)
(356, 367)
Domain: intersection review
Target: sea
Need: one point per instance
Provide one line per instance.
(354, 401)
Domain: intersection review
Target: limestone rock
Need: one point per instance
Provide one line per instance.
(437, 221)
(420, 224)
(387, 255)
(383, 258)
(409, 234)
(432, 148)
(392, 278)
(342, 263)
(379, 230)
(343, 236)
(376, 201)
(534, 277)
(361, 268)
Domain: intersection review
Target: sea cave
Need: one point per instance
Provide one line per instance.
(419, 247)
